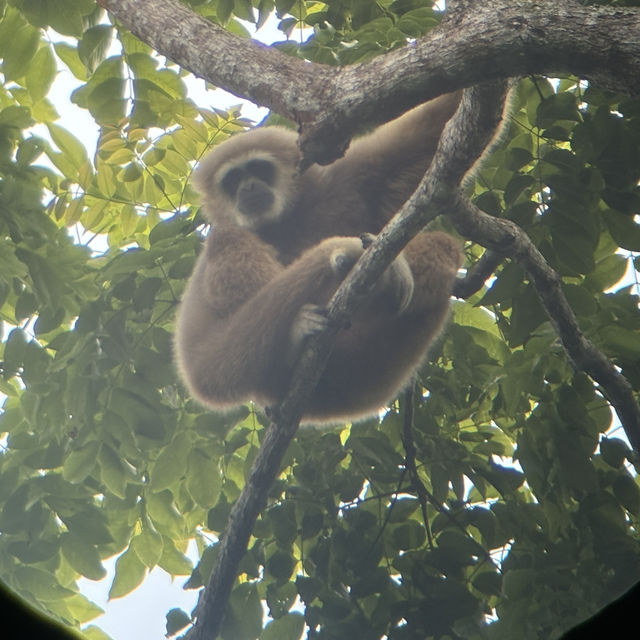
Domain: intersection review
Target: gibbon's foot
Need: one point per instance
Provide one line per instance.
(367, 239)
(398, 281)
(343, 259)
(311, 319)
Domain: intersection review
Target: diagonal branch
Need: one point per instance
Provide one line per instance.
(507, 238)
(478, 274)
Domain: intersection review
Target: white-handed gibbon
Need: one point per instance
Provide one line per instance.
(280, 245)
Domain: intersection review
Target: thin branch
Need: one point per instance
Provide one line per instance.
(478, 274)
(410, 461)
(509, 239)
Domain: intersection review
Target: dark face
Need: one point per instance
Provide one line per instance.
(251, 185)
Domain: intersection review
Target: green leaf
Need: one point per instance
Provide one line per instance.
(68, 144)
(90, 525)
(400, 510)
(171, 464)
(177, 619)
(141, 414)
(408, 536)
(280, 565)
(83, 557)
(41, 73)
(624, 229)
(14, 350)
(559, 106)
(626, 490)
(174, 561)
(488, 582)
(243, 617)
(80, 462)
(83, 610)
(40, 584)
(148, 545)
(224, 9)
(614, 451)
(622, 342)
(21, 43)
(113, 471)
(204, 481)
(69, 55)
(129, 574)
(607, 273)
(288, 627)
(95, 633)
(94, 45)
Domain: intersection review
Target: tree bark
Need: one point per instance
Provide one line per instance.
(479, 41)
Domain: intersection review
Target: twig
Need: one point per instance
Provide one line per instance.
(410, 460)
(478, 274)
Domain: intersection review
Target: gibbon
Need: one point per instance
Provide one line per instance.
(280, 245)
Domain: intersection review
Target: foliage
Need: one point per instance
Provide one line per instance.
(534, 513)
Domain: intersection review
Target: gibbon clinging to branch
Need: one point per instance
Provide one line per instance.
(280, 245)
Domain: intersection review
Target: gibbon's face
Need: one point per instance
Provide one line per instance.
(250, 185)
(251, 179)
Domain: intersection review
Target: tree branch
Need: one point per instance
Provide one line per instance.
(506, 238)
(478, 274)
(486, 41)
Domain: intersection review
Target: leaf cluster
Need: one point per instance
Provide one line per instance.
(531, 518)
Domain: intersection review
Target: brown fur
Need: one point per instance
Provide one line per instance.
(251, 299)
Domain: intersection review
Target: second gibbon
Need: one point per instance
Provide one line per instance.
(280, 245)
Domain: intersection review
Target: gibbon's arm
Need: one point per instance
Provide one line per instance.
(236, 325)
(236, 265)
(386, 165)
(233, 265)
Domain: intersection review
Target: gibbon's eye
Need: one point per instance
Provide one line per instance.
(231, 180)
(263, 170)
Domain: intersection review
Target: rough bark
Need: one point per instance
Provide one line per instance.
(480, 41)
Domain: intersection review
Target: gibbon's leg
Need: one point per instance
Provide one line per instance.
(385, 167)
(233, 265)
(233, 346)
(374, 359)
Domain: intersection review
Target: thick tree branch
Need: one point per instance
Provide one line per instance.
(246, 68)
(487, 40)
